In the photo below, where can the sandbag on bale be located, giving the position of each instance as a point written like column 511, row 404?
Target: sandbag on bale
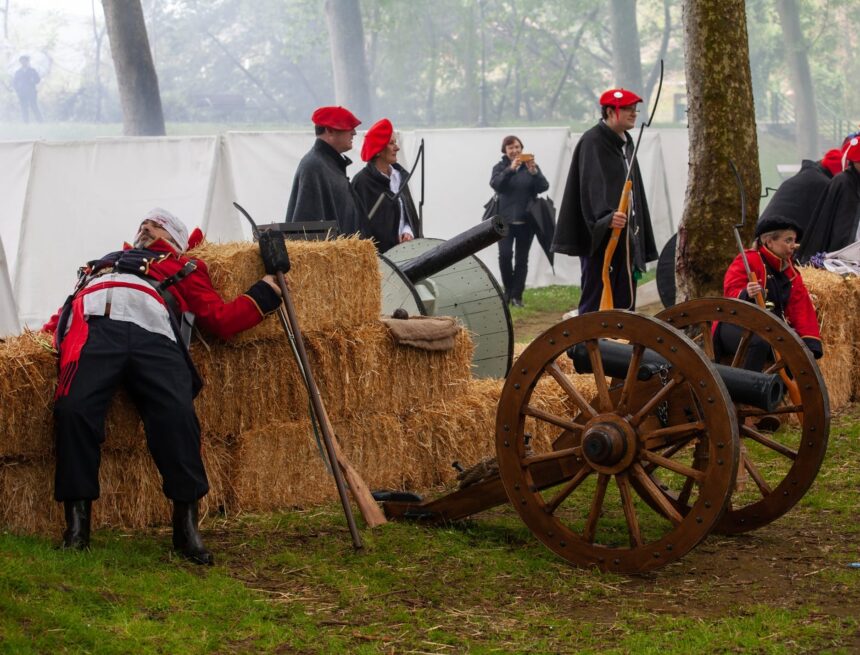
column 837, row 305
column 131, row 495
column 332, row 284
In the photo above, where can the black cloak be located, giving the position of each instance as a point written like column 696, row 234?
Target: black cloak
column 834, row 223
column 591, row 195
column 321, row 190
column 384, row 226
column 797, row 197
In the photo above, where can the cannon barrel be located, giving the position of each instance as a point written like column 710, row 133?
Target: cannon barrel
column 762, row 390
column 455, row 249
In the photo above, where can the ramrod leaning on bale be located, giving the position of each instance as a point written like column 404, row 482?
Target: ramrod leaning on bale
column 122, row 326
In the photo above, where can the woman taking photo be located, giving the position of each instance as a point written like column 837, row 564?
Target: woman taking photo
column 517, row 181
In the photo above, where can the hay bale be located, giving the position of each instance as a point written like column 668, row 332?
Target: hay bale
column 332, row 283
column 28, row 376
column 279, row 465
column 131, row 495
column 356, row 370
column 837, row 303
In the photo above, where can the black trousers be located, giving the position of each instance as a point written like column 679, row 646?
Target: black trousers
column 727, row 338
column 592, row 282
column 515, row 247
column 154, row 371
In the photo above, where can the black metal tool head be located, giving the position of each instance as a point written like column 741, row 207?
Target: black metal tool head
column 656, row 97
column 742, row 194
column 254, row 229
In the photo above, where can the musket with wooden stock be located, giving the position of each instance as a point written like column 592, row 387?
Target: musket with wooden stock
column 606, row 299
column 790, row 384
column 340, row 467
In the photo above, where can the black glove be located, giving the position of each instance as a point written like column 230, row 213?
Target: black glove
column 273, row 250
column 815, row 346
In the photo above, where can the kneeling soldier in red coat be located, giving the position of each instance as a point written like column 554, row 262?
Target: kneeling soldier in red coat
column 123, row 324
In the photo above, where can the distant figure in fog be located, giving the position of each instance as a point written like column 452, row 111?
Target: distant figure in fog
column 24, row 82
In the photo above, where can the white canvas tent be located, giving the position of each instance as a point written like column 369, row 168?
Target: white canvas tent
column 65, row 203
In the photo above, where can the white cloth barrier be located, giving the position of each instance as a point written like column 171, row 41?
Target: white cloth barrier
column 65, row 203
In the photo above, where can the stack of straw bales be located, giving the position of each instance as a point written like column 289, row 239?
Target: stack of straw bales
column 402, row 415
column 837, row 303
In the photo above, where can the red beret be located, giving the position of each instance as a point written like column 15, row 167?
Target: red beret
column 335, row 118
column 376, row 139
column 851, row 151
column 832, row 161
column 619, row 98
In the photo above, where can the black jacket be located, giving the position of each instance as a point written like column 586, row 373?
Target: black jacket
column 516, row 189
column 834, row 224
column 321, row 190
column 591, row 195
column 797, row 197
column 384, row 226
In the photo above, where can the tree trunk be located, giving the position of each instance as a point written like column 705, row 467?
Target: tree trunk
column 806, row 117
column 346, row 37
column 135, row 72
column 721, row 127
column 626, row 61
column 471, row 96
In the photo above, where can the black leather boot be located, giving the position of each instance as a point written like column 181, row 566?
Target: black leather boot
column 77, row 534
column 186, row 539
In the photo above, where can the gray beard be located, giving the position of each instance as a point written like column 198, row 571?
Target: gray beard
column 143, row 242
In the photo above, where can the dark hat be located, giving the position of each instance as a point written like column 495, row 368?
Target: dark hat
column 773, row 223
column 619, row 98
column 376, row 138
column 335, row 118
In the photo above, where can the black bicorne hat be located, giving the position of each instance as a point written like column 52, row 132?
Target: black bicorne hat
column 773, row 223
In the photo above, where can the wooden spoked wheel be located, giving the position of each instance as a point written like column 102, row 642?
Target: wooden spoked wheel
column 577, row 492
column 776, row 469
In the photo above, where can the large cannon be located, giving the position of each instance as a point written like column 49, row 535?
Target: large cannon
column 432, row 277
column 666, row 451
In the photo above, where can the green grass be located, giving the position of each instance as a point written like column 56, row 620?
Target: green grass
column 291, row 583
column 556, row 299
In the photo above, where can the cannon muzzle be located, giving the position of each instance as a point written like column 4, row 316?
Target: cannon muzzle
column 455, row 249
column 762, row 390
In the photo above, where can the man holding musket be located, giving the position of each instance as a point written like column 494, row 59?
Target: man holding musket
column 589, row 207
column 121, row 325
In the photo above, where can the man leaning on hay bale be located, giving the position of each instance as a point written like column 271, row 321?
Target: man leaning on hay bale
column 123, row 324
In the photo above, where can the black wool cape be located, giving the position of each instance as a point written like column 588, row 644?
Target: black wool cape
column 594, row 184
column 321, row 190
column 834, row 224
column 384, row 226
column 797, row 197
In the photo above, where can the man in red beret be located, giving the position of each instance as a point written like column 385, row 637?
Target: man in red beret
column 836, row 220
column 392, row 218
column 588, row 211
column 797, row 197
column 321, row 189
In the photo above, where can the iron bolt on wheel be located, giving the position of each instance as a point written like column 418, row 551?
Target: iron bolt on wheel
column 588, row 495
column 775, row 470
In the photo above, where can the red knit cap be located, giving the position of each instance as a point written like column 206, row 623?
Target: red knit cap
column 851, row 152
column 335, row 118
column 376, row 139
column 832, row 161
column 619, row 98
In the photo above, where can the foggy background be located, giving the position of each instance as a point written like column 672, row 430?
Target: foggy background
column 266, row 64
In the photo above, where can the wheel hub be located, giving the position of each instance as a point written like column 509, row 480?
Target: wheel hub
column 604, row 444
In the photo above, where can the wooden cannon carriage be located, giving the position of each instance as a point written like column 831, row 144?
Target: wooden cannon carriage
column 666, row 452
